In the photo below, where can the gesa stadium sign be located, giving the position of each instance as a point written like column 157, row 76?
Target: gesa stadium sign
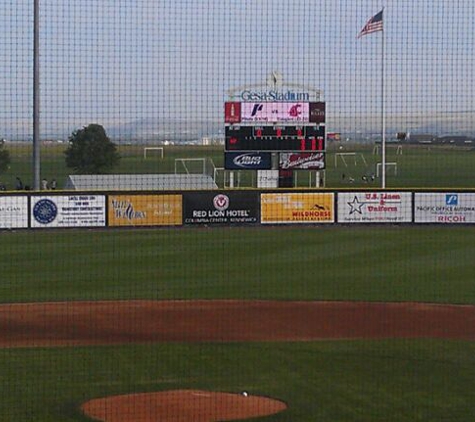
column 272, row 95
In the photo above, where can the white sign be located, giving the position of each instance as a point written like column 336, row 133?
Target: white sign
column 374, row 207
column 302, row 160
column 68, row 211
column 444, row 207
column 13, row 212
column 274, row 112
column 267, row 178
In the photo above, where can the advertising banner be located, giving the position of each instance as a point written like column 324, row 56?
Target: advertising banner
column 145, row 210
column 247, row 160
column 68, row 211
column 444, row 207
column 286, row 208
column 374, row 207
column 220, row 208
column 274, row 112
column 268, row 178
column 302, row 160
column 13, row 212
column 232, row 112
column 317, row 112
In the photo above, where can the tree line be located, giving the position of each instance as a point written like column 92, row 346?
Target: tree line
column 90, row 151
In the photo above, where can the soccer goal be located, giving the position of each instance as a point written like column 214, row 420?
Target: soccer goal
column 155, row 151
column 202, row 165
column 389, row 166
column 346, row 157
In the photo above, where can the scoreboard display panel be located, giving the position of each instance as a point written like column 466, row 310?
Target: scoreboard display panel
column 275, row 138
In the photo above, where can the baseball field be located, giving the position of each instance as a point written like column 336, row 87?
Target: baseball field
column 296, row 315
column 316, row 323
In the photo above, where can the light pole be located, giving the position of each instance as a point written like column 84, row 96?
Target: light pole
column 36, row 95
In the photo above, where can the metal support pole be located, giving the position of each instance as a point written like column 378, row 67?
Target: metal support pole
column 383, row 117
column 36, row 96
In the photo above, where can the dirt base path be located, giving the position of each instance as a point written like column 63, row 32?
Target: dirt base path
column 122, row 322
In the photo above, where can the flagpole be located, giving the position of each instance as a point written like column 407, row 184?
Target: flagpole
column 383, row 117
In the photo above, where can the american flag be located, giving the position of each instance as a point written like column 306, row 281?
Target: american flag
column 375, row 24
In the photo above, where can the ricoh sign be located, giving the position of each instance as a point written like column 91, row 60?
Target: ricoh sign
column 446, row 207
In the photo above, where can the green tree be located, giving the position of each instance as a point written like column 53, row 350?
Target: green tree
column 91, row 151
column 4, row 158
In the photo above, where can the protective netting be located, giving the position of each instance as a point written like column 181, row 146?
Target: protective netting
column 207, row 194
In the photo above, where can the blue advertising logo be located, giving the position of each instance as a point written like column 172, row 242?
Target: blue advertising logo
column 452, row 199
column 248, row 160
column 45, row 211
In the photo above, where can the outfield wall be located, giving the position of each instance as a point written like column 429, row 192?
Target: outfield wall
column 234, row 207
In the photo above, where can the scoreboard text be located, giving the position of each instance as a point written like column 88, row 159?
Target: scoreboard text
column 275, row 138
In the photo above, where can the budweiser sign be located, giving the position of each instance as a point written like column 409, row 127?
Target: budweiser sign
column 302, row 160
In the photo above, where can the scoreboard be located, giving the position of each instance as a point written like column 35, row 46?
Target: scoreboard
column 275, row 126
column 275, row 138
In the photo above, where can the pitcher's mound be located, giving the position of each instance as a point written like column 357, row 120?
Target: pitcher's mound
column 181, row 406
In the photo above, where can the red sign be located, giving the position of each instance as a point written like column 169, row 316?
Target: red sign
column 317, row 112
column 232, row 112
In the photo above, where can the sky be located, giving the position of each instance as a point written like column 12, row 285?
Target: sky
column 119, row 63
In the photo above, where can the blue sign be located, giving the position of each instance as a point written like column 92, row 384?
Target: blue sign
column 451, row 199
column 248, row 160
column 45, row 211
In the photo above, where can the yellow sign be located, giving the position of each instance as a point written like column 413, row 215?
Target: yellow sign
column 145, row 210
column 297, row 208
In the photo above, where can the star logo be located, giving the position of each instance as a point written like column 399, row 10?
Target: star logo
column 355, row 206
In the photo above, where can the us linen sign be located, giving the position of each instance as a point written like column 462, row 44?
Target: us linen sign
column 374, row 207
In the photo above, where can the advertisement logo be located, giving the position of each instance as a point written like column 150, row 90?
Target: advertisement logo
column 297, row 208
column 295, row 110
column 248, row 160
column 311, row 161
column 125, row 209
column 444, row 208
column 374, row 207
column 451, row 199
column 256, row 109
column 221, row 202
column 375, row 202
column 45, row 211
column 232, row 112
column 145, row 210
column 355, row 206
column 213, row 208
column 274, row 112
column 317, row 112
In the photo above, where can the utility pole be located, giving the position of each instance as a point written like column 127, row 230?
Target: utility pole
column 36, row 96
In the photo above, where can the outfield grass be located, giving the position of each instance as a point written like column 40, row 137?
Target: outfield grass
column 334, row 381
column 422, row 263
